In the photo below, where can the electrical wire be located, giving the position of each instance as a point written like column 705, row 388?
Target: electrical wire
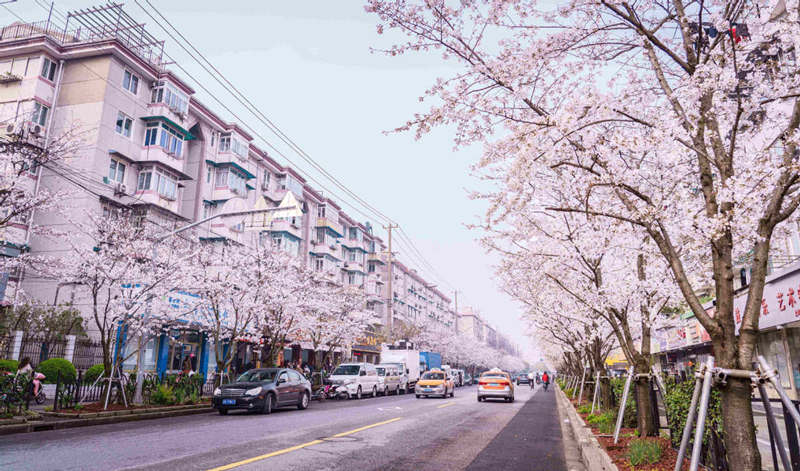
column 414, row 252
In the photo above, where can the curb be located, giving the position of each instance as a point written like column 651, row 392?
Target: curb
column 85, row 422
column 115, row 413
column 592, row 454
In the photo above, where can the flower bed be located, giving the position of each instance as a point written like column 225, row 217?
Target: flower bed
column 620, row 453
column 97, row 407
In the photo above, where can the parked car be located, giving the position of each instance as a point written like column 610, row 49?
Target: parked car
column 357, row 378
column 390, row 380
column 435, row 383
column 523, row 378
column 495, row 383
column 467, row 379
column 262, row 390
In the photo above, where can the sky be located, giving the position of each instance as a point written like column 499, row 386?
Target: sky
column 308, row 67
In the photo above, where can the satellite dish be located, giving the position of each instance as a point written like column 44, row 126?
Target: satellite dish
column 233, row 205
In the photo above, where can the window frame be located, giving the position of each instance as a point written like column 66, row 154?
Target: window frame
column 114, row 174
column 126, row 120
column 133, row 81
column 37, row 116
column 48, row 71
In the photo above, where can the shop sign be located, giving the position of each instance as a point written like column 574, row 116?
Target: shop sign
column 779, row 305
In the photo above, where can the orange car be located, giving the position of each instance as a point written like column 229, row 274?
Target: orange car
column 495, row 383
column 435, row 383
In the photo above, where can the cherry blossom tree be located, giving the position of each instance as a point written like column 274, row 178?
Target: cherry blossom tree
column 679, row 118
column 223, row 301
column 340, row 319
column 127, row 291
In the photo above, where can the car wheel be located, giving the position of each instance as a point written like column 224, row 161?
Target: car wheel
column 303, row 404
column 479, row 399
column 267, row 405
column 386, row 390
column 358, row 393
column 417, row 396
column 512, row 398
column 374, row 391
column 453, row 393
column 223, row 411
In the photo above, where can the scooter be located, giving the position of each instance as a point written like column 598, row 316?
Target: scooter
column 40, row 398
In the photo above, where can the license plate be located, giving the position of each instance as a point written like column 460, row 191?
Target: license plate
column 493, row 384
column 428, row 390
column 229, row 402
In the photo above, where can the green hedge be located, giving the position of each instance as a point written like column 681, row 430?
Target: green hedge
column 618, row 385
column 642, row 451
column 677, row 401
column 93, row 373
column 50, row 368
column 9, row 365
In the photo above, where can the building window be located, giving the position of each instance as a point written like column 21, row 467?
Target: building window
column 319, row 264
column 209, row 173
column 321, row 211
column 164, row 183
column 130, row 82
column 265, row 184
column 124, row 124
column 169, row 95
column 151, row 135
column 354, row 233
column 228, row 143
column 39, row 115
column 48, row 69
column 371, row 267
column 169, row 139
column 116, row 171
column 228, row 177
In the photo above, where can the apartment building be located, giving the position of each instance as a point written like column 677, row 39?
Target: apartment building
column 470, row 324
column 148, row 145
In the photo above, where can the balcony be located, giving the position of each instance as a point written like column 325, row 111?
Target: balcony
column 273, row 193
column 322, row 248
column 330, row 224
column 377, row 258
column 286, row 225
column 157, row 154
column 353, row 266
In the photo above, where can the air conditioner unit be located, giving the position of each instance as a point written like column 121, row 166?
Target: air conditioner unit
column 120, row 189
column 33, row 129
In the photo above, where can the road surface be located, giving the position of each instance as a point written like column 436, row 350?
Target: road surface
column 386, row 433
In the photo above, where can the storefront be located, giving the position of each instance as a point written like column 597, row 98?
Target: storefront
column 367, row 348
column 173, row 351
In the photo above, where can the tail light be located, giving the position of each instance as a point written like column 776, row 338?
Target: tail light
column 482, row 383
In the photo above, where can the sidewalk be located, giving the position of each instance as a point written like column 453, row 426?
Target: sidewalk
column 531, row 441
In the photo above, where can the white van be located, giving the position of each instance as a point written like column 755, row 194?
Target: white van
column 358, row 378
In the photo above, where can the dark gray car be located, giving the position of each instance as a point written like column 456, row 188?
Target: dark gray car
column 262, row 390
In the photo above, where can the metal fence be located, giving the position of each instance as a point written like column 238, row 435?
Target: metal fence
column 87, row 353
column 39, row 349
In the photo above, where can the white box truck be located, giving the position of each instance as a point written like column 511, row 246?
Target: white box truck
column 407, row 360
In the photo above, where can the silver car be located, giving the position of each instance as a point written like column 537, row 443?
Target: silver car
column 389, row 379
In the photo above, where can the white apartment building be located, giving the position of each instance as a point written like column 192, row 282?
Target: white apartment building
column 150, row 146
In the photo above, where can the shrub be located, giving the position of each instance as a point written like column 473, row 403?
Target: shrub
column 163, row 395
column 9, row 365
column 618, row 385
column 604, row 421
column 585, row 409
column 642, row 451
column 677, row 400
column 50, row 369
column 93, row 373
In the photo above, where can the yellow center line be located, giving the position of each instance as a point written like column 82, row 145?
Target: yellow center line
column 298, row 447
column 446, row 405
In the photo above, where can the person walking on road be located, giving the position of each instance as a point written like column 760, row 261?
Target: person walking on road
column 545, row 380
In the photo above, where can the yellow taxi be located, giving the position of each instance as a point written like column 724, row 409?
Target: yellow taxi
column 495, row 383
column 435, row 383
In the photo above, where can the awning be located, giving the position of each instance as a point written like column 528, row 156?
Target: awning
column 232, row 164
column 187, row 136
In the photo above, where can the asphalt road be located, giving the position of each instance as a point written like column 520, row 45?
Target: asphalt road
column 396, row 432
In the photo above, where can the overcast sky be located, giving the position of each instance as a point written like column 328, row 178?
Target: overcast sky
column 307, row 65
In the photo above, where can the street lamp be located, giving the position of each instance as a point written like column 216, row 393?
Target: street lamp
column 285, row 206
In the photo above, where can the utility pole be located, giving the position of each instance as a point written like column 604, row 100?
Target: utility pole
column 390, row 314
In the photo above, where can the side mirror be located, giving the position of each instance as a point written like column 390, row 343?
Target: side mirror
column 281, row 380
column 407, row 371
column 363, row 373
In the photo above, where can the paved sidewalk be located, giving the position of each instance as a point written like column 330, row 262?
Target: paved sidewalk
column 531, row 441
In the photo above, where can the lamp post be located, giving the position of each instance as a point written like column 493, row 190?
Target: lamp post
column 137, row 398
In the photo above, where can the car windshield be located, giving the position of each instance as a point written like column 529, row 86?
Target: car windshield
column 433, row 376
column 253, row 376
column 346, row 370
column 381, row 371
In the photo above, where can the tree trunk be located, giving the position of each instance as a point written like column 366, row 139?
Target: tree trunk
column 645, row 422
column 740, row 430
column 606, row 395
